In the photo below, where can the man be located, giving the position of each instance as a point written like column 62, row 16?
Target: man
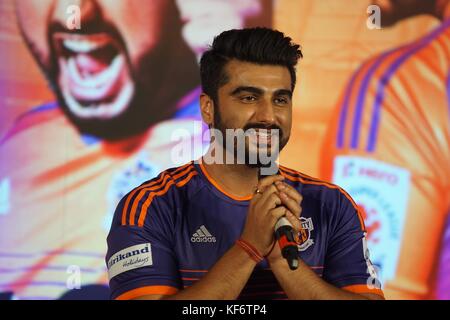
column 388, row 146
column 200, row 231
column 64, row 166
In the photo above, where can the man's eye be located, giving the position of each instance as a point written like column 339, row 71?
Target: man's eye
column 248, row 98
column 281, row 101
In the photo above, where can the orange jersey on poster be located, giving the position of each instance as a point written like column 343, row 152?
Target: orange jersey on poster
column 59, row 191
column 389, row 146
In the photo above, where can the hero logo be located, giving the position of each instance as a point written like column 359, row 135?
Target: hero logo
column 130, row 258
column 381, row 191
column 370, row 171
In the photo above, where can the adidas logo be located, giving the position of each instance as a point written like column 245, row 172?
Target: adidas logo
column 202, row 235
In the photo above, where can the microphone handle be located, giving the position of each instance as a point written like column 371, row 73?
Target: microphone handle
column 284, row 233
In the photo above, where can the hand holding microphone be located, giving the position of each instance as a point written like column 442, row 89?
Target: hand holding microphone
column 275, row 204
column 263, row 213
column 284, row 230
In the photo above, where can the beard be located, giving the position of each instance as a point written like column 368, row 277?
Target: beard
column 154, row 93
column 263, row 156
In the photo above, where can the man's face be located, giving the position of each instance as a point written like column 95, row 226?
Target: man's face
column 101, row 71
column 256, row 97
column 392, row 11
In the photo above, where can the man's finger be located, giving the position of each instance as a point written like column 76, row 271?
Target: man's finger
column 277, row 213
column 267, row 181
column 267, row 192
column 294, row 221
column 290, row 203
column 289, row 190
column 270, row 200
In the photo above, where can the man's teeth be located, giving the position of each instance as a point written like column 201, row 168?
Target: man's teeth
column 99, row 79
column 82, row 45
column 263, row 134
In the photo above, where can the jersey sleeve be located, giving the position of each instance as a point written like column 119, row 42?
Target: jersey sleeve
column 141, row 258
column 347, row 261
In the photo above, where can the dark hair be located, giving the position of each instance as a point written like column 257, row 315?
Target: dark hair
column 256, row 45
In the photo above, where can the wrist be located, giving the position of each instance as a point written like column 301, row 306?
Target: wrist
column 250, row 250
column 274, row 259
column 274, row 256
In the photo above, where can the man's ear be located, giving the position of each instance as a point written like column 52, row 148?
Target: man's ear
column 207, row 109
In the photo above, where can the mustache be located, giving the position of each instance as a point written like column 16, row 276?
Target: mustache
column 263, row 126
column 97, row 26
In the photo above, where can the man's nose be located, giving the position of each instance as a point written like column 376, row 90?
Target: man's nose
column 90, row 12
column 265, row 112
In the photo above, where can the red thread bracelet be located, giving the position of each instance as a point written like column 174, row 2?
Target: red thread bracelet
column 252, row 252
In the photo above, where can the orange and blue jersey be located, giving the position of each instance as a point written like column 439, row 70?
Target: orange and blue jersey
column 168, row 232
column 405, row 67
column 388, row 146
column 58, row 192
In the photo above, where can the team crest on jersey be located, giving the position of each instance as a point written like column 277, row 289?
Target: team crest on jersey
column 304, row 236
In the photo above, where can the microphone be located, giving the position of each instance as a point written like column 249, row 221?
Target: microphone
column 284, row 233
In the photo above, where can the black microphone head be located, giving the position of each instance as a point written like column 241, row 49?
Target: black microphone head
column 290, row 253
